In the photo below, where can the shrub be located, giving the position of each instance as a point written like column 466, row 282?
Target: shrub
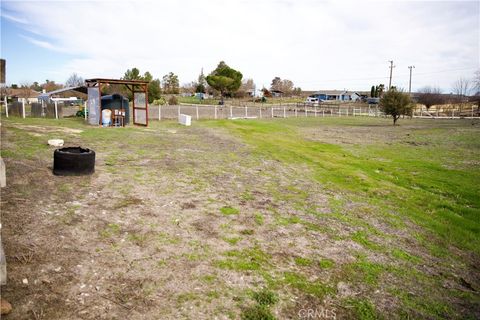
column 172, row 101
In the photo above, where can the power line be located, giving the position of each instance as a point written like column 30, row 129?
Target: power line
column 398, row 75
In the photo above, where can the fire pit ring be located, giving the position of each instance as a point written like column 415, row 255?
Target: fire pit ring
column 73, row 161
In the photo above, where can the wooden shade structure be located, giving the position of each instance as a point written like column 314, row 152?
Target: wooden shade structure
column 135, row 86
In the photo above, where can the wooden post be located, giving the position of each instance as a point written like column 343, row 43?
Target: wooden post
column 23, row 108
column 246, row 112
column 196, row 109
column 85, row 110
column 284, row 112
column 56, row 110
column 272, row 112
column 178, row 110
column 315, row 110
column 231, row 112
column 306, row 114
column 260, row 109
column 215, row 107
column 159, row 112
column 100, row 104
column 296, row 112
column 323, row 113
column 6, row 106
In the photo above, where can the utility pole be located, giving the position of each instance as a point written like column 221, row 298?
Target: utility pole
column 391, row 70
column 410, row 83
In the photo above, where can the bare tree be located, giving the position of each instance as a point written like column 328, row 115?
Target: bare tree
column 476, row 82
column 26, row 92
column 74, row 81
column 430, row 96
column 462, row 87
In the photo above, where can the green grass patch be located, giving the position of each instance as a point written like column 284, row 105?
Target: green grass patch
column 243, row 260
column 326, row 263
column 257, row 312
column 304, row 262
column 402, row 255
column 265, row 297
column 363, row 309
column 425, row 181
column 228, row 210
column 361, row 237
column 259, row 219
column 300, row 282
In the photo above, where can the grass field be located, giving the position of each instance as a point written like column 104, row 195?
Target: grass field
column 297, row 218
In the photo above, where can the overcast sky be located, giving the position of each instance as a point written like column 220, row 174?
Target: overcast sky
column 316, row 44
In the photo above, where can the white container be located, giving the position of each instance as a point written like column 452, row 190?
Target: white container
column 106, row 117
column 184, row 119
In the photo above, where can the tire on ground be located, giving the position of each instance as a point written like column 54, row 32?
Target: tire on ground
column 73, row 161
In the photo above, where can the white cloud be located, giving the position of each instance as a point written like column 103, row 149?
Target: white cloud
column 315, row 44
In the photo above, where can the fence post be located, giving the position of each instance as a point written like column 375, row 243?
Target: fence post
column 284, row 112
column 472, row 111
column 231, row 113
column 259, row 110
column 215, row 107
column 272, row 111
column 323, row 113
column 159, row 112
column 56, row 110
column 85, row 110
column 306, row 114
column 23, row 108
column 196, row 109
column 296, row 112
column 246, row 112
column 178, row 110
column 6, row 106
column 315, row 111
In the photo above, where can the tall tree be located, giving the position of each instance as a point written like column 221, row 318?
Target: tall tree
column 170, row 83
column 133, row 74
column 396, row 103
column 154, row 90
column 430, row 96
column 286, row 86
column 201, row 83
column 35, row 86
column 51, row 86
column 276, row 84
column 372, row 92
column 74, row 81
column 224, row 79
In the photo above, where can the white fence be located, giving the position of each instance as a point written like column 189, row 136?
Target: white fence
column 198, row 112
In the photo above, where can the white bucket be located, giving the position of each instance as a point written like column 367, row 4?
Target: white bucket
column 106, row 117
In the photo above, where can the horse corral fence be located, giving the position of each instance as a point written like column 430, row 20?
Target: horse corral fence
column 198, row 112
column 259, row 111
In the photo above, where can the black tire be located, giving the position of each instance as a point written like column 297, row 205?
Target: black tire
column 73, row 161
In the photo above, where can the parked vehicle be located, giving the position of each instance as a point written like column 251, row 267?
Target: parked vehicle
column 312, row 100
